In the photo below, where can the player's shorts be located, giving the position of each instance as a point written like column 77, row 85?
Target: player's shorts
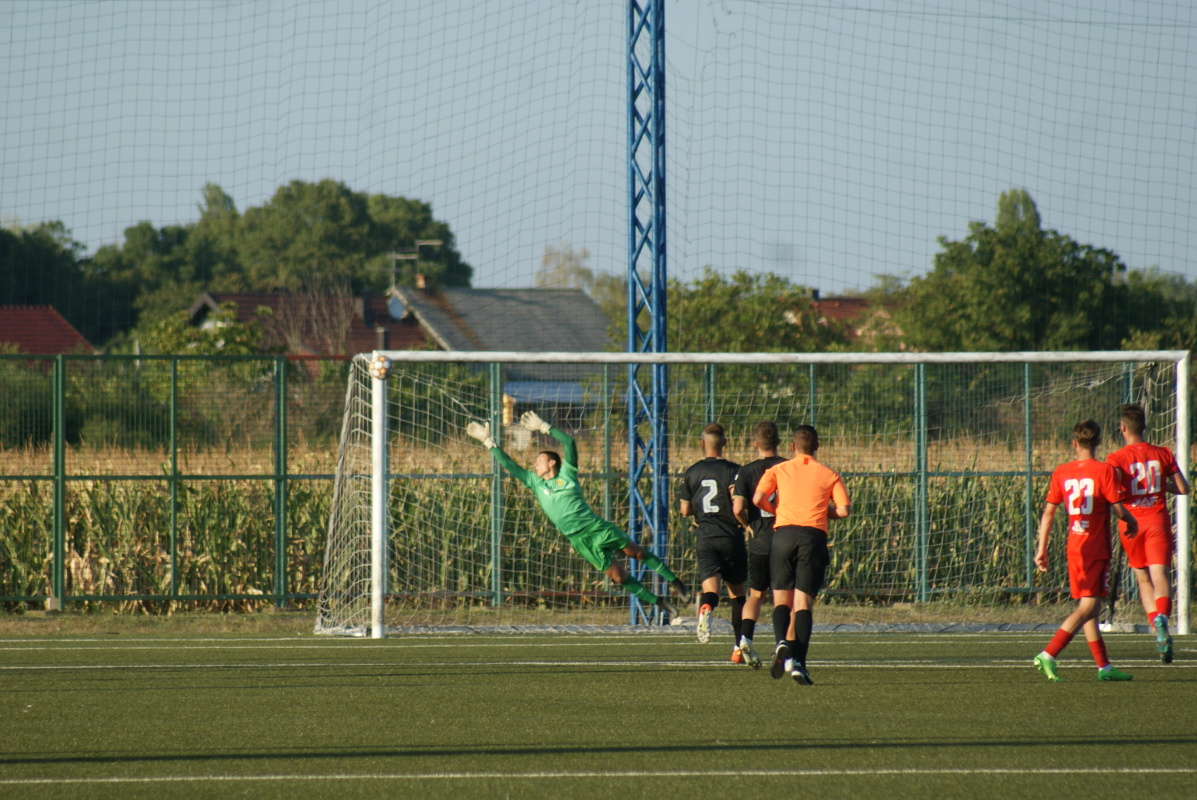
column 1152, row 544
column 1089, row 578
column 722, row 556
column 758, row 572
column 599, row 542
column 799, row 559
column 759, row 546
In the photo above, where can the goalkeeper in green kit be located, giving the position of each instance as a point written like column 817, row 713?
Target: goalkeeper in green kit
column 555, row 484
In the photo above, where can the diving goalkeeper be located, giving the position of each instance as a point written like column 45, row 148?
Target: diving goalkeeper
column 555, row 484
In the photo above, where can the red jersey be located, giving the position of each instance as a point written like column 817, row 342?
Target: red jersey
column 1143, row 468
column 1086, row 489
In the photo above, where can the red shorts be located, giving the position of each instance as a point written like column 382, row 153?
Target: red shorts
column 1089, row 578
column 1152, row 545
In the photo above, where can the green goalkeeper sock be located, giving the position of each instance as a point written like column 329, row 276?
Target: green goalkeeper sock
column 658, row 566
column 635, row 587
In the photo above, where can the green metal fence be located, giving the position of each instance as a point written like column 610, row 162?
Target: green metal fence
column 134, row 479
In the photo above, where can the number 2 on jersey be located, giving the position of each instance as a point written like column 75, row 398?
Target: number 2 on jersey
column 1145, row 478
column 709, row 505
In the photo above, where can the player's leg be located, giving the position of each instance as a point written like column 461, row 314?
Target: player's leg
column 735, row 574
column 782, row 575
column 810, row 572
column 1088, row 583
column 632, row 585
column 1162, row 586
column 758, row 584
column 708, row 601
column 650, row 560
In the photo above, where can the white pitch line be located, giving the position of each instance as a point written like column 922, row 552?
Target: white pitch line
column 780, row 773
column 1021, row 663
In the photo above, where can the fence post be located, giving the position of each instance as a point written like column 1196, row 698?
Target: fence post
column 920, row 462
column 174, row 478
column 280, row 481
column 58, row 543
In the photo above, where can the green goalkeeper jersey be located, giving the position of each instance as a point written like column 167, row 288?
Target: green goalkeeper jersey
column 561, row 496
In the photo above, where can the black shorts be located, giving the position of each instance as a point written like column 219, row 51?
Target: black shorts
column 799, row 559
column 723, row 556
column 758, row 572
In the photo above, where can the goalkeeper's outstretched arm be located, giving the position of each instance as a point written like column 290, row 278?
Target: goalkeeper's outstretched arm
column 532, row 421
column 481, row 432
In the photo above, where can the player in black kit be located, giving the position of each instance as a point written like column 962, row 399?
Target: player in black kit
column 706, row 495
column 759, row 526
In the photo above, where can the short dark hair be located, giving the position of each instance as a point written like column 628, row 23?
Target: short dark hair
column 556, row 458
column 806, row 439
column 1087, row 434
column 1134, row 418
column 765, row 435
column 713, row 438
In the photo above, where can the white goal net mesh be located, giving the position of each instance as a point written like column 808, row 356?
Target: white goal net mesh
column 946, row 465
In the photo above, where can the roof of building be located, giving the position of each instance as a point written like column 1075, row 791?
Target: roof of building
column 516, row 320
column 320, row 324
column 40, row 330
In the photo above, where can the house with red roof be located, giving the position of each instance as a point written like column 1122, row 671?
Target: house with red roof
column 40, row 330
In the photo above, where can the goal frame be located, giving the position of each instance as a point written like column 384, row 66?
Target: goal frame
column 380, row 523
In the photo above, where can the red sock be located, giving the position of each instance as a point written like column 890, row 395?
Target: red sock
column 1163, row 605
column 1098, row 649
column 1058, row 642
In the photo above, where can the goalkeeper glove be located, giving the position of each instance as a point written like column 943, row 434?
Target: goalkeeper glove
column 481, row 432
column 532, row 421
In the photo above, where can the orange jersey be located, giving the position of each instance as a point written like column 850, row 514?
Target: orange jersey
column 804, row 487
column 1086, row 489
column 1143, row 469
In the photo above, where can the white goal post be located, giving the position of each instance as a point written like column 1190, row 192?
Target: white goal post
column 906, row 429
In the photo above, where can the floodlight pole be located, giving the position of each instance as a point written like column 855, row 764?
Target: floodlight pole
column 648, row 453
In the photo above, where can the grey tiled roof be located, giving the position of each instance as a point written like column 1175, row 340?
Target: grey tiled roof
column 518, row 320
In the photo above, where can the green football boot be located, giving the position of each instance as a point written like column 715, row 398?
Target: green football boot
column 1047, row 666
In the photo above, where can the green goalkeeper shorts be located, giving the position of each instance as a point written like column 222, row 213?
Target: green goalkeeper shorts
column 598, row 543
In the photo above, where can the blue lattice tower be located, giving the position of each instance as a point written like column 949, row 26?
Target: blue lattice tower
column 648, row 451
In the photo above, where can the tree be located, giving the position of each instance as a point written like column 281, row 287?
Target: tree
column 398, row 224
column 745, row 313
column 307, row 229
column 1015, row 286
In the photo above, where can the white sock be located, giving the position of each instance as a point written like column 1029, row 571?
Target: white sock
column 1045, row 655
column 745, row 641
column 789, row 665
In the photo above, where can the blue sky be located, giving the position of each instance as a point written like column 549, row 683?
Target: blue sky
column 827, row 142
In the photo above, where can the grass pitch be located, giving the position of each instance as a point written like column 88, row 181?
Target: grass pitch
column 619, row 715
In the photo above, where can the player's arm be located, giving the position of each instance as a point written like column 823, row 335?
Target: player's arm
column 569, row 449
column 740, row 512
column 1132, row 524
column 1176, row 484
column 763, row 497
column 840, row 507
column 481, row 432
column 1045, row 529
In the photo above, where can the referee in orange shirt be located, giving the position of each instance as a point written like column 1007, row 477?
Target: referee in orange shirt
column 808, row 493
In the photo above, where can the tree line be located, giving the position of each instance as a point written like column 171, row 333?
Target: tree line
column 1008, row 286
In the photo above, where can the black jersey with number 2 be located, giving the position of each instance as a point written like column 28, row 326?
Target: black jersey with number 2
column 707, row 487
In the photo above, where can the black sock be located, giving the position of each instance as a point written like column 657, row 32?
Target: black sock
column 803, row 622
column 709, row 599
column 737, row 604
column 747, row 628
column 781, row 622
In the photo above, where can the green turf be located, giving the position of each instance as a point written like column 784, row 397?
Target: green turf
column 895, row 715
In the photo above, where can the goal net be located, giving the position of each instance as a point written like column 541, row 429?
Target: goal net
column 946, row 458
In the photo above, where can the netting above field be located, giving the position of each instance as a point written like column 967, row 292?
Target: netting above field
column 830, row 144
column 946, row 464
